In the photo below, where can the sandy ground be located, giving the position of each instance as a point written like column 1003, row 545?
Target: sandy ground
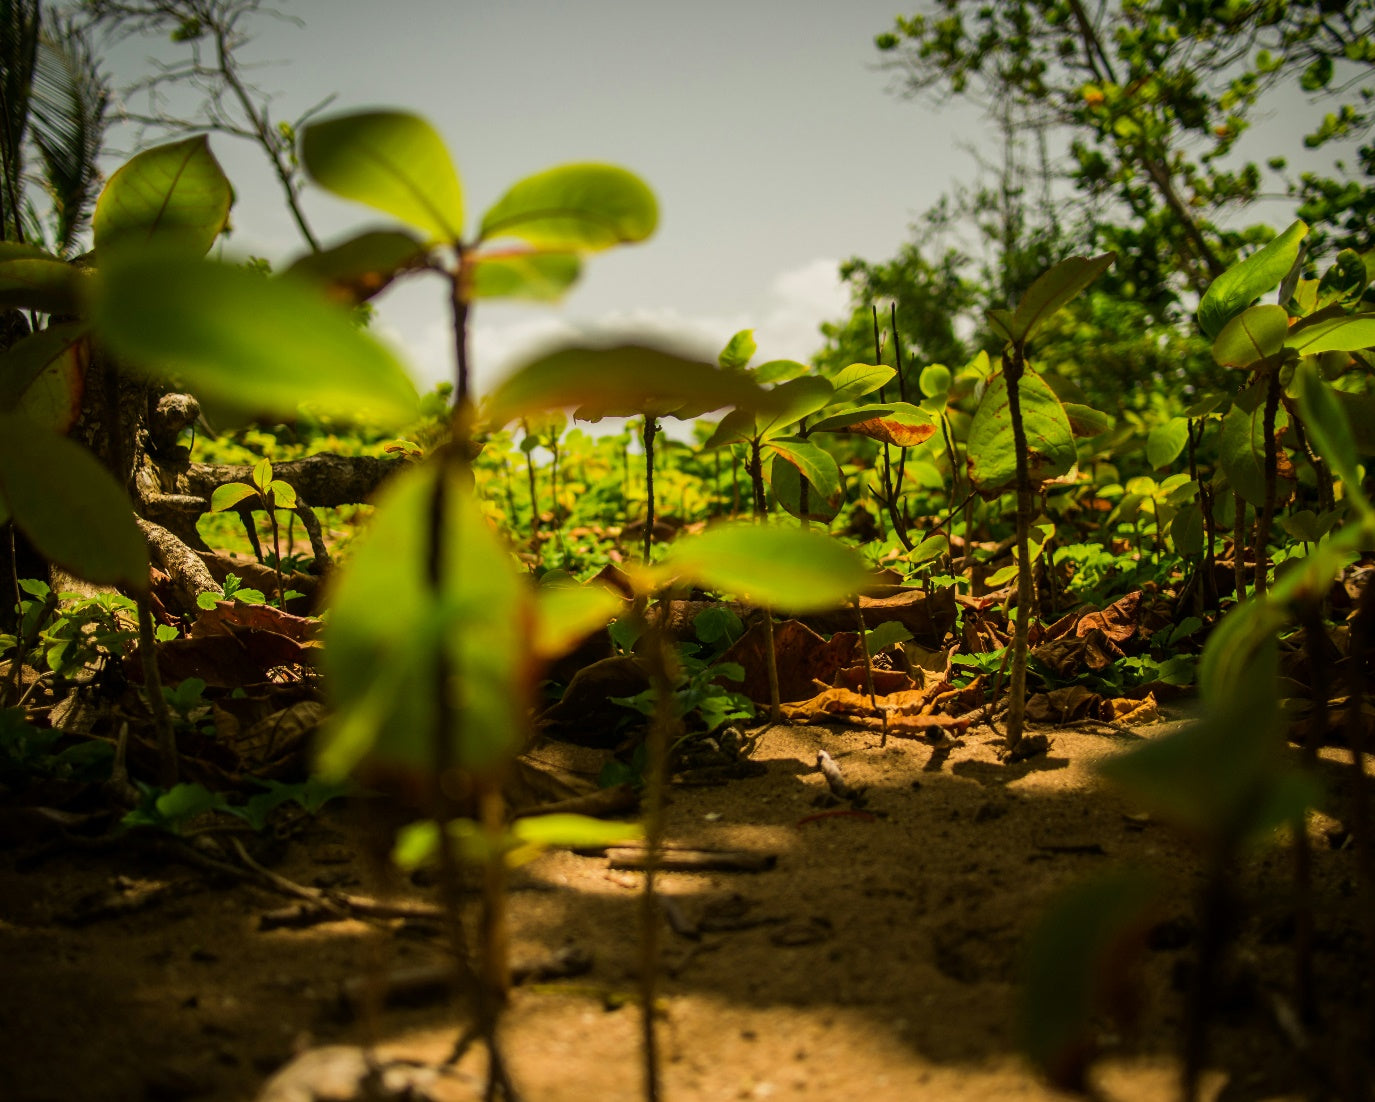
column 877, row 960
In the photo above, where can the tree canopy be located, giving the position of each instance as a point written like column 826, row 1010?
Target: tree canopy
column 1152, row 98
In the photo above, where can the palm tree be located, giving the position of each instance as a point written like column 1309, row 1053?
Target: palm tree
column 54, row 100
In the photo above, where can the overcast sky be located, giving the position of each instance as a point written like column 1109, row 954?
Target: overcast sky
column 767, row 130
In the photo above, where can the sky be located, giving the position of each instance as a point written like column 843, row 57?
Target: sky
column 763, row 126
column 772, row 137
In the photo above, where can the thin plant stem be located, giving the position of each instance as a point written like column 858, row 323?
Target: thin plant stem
column 26, row 638
column 1263, row 522
column 168, row 765
column 534, row 497
column 649, row 430
column 663, row 731
column 869, row 669
column 1014, row 365
column 1238, row 550
column 487, row 981
column 277, row 557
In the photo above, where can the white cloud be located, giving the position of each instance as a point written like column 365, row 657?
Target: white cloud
column 785, row 321
column 798, row 302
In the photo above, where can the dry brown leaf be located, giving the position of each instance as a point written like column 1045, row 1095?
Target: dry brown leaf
column 1066, row 705
column 1117, row 622
column 1131, row 712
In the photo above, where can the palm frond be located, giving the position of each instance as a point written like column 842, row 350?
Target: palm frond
column 20, row 22
column 70, row 100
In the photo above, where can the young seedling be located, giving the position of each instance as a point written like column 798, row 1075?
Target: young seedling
column 1021, row 436
column 271, row 494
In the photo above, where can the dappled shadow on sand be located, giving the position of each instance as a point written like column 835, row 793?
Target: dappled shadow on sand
column 878, row 959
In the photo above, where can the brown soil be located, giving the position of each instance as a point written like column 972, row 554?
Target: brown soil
column 876, row 961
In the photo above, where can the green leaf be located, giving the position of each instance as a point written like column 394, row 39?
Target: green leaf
column 792, row 401
column 283, row 494
column 1244, row 282
column 739, row 351
column 565, row 615
column 1327, row 426
column 1349, row 334
column 229, row 495
column 43, row 375
column 357, row 269
column 1078, row 958
column 1004, row 323
column 70, row 506
column 389, row 626
column 736, row 427
column 1086, row 422
column 930, row 549
column 1252, row 336
column 573, row 831
column 577, row 206
column 542, row 277
column 885, row 635
column 1224, row 779
column 1242, row 450
column 1051, row 291
column 174, row 196
column 1186, row 530
column 783, row 568
column 854, row 382
column 392, row 161
column 1165, row 442
column 898, row 423
column 814, row 464
column 778, row 371
column 185, row 801
column 417, row 844
column 48, row 286
column 613, row 379
column 262, row 345
column 262, row 474
column 992, row 454
column 1345, row 281
column 20, row 250
column 935, row 380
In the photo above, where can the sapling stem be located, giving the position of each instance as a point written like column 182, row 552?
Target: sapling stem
column 168, row 765
column 1238, row 543
column 869, row 669
column 1263, row 522
column 534, row 497
column 890, row 496
column 277, row 556
column 757, row 479
column 663, row 732
column 649, row 430
column 902, row 396
column 1207, row 591
column 27, row 637
column 1014, row 364
column 487, row 980
column 775, row 697
column 1362, row 827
